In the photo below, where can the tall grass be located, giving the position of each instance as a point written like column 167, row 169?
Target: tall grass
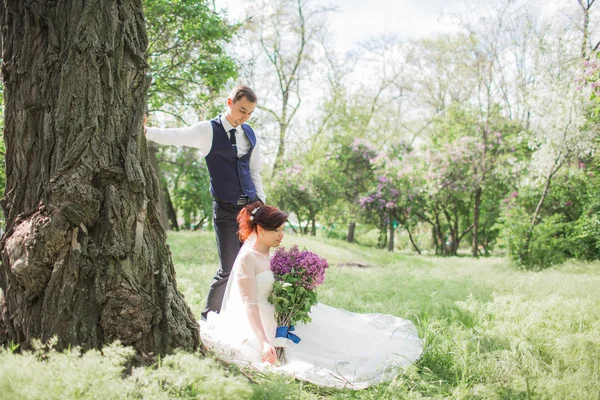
column 492, row 332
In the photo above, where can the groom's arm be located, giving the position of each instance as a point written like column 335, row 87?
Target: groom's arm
column 198, row 136
column 255, row 167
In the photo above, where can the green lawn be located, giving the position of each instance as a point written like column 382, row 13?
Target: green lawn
column 492, row 332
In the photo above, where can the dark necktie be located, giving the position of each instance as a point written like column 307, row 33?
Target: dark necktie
column 232, row 138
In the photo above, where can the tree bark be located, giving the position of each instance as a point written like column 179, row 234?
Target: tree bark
column 84, row 255
column 351, row 231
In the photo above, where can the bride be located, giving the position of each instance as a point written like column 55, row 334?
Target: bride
column 337, row 349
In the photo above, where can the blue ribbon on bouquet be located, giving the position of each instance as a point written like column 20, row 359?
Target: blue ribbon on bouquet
column 285, row 332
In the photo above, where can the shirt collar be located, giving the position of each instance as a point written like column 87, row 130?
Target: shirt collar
column 226, row 125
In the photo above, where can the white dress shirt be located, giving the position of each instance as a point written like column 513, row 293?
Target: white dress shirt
column 200, row 136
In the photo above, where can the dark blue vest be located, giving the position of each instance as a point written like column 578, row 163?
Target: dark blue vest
column 229, row 175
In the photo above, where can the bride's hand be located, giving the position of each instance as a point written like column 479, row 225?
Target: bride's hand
column 268, row 353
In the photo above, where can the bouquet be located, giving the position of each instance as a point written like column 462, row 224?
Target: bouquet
column 297, row 275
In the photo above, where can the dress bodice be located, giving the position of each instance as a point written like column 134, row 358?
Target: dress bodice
column 264, row 277
column 264, row 286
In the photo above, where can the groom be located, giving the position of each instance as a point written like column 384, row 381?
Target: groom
column 232, row 156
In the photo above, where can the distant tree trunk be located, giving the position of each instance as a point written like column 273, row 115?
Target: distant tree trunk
column 476, row 211
column 452, row 247
column 84, row 255
column 161, row 199
column 383, row 232
column 281, row 147
column 391, row 242
column 351, row 230
column 586, row 6
column 289, row 224
column 171, row 212
column 534, row 219
column 313, row 227
column 412, row 240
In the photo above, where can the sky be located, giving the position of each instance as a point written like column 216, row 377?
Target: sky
column 360, row 19
column 356, row 20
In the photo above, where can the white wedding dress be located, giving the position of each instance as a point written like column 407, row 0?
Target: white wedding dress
column 337, row 349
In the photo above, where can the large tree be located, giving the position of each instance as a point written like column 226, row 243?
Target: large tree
column 84, row 255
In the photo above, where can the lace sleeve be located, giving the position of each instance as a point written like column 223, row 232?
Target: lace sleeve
column 247, row 280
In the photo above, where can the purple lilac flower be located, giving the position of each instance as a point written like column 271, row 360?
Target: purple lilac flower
column 308, row 267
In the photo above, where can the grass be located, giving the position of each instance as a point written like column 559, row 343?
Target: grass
column 492, row 332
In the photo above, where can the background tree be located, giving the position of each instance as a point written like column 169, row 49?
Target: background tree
column 188, row 177
column 84, row 255
column 189, row 66
column 285, row 37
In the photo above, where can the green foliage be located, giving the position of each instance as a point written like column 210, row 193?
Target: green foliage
column 186, row 53
column 541, row 247
column 71, row 374
column 188, row 376
column 585, row 237
column 305, row 188
column 567, row 226
column 93, row 374
column 189, row 67
column 188, row 179
column 292, row 301
column 437, row 184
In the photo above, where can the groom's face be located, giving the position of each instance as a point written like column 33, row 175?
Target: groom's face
column 241, row 110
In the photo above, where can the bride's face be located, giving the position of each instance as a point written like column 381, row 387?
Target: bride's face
column 272, row 238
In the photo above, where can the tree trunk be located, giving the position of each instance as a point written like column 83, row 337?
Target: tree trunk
column 476, row 211
column 412, row 240
column 452, row 248
column 585, row 8
column 383, row 232
column 391, row 242
column 161, row 199
column 171, row 212
column 313, row 227
column 534, row 219
column 281, row 147
column 84, row 255
column 351, row 231
column 291, row 226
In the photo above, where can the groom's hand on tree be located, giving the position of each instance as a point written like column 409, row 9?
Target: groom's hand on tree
column 268, row 353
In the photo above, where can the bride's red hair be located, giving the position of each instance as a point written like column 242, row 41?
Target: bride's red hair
column 258, row 214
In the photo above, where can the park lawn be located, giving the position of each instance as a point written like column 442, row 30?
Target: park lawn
column 491, row 331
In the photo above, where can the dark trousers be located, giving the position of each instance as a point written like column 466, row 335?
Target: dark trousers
column 228, row 244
